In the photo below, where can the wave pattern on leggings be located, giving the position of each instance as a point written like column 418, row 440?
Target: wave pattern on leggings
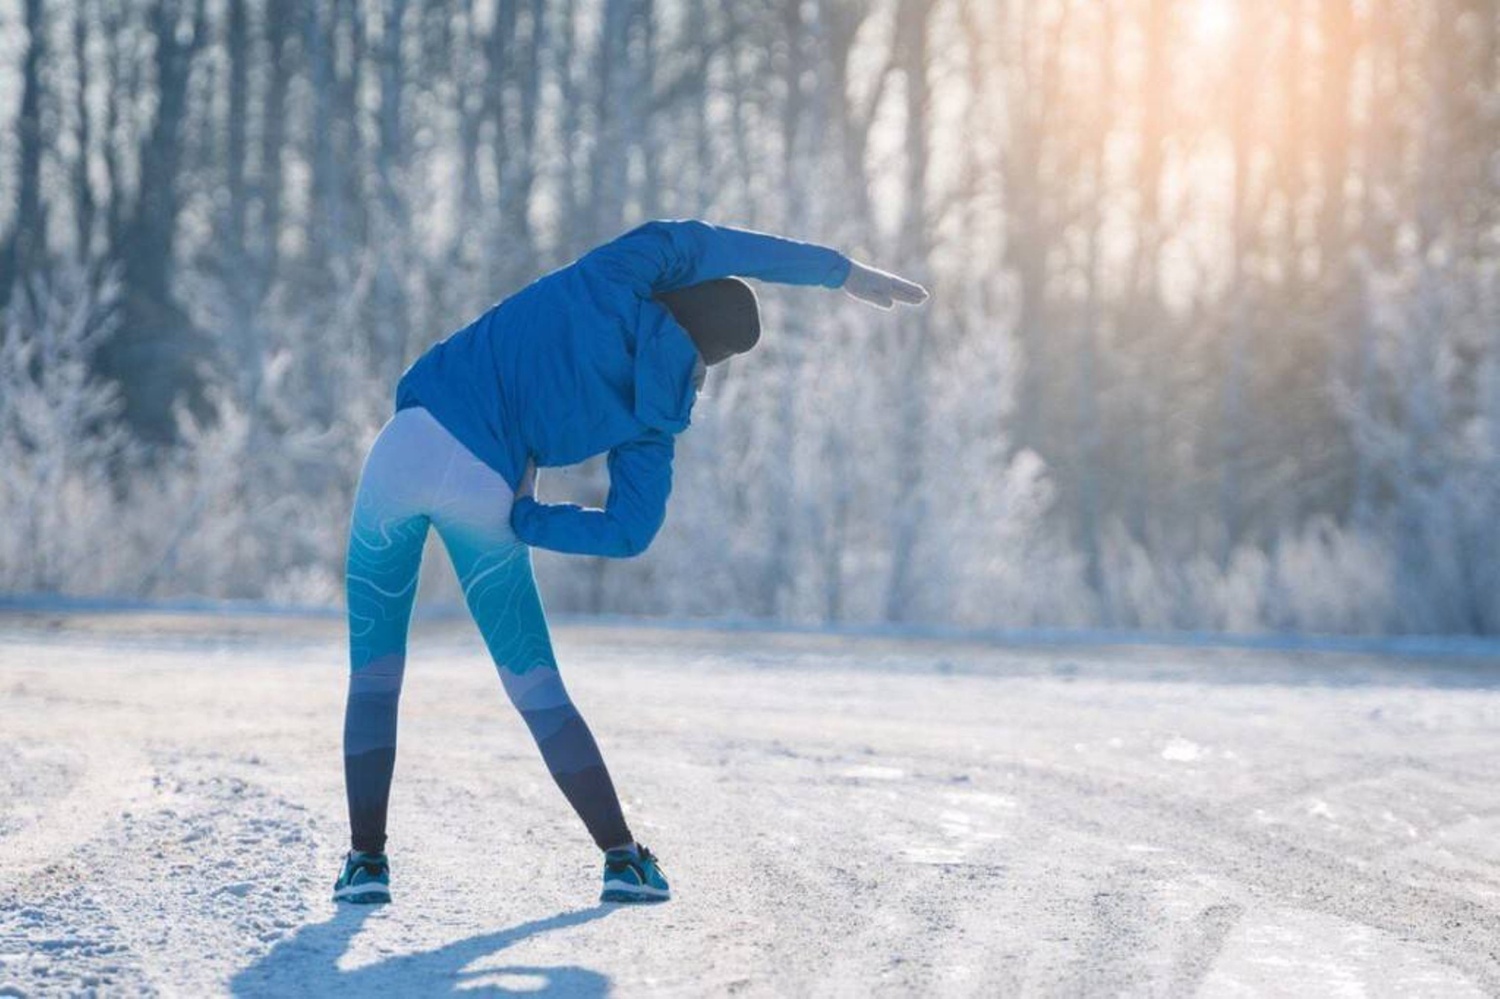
column 418, row 476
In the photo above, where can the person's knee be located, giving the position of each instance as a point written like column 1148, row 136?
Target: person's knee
column 535, row 689
column 381, row 674
column 520, row 651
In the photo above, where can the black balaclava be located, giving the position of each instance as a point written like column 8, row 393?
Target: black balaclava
column 721, row 316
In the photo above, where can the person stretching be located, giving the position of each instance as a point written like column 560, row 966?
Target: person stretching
column 605, row 355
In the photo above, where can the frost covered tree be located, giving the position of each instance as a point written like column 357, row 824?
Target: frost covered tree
column 1208, row 347
column 61, row 442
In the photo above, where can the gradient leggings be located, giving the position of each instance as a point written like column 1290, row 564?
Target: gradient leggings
column 418, row 475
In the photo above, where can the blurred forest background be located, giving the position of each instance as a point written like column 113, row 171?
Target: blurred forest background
column 1214, row 341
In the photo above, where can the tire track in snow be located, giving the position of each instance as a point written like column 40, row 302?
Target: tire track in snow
column 1202, row 944
column 207, row 862
column 1115, row 939
column 103, row 778
column 1462, row 932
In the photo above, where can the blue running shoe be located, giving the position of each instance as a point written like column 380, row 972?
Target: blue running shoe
column 631, row 875
column 366, row 878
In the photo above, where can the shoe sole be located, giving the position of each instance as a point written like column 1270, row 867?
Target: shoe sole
column 362, row 895
column 635, row 894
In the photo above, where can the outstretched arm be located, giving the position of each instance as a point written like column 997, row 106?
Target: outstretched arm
column 667, row 254
column 664, row 255
column 640, row 479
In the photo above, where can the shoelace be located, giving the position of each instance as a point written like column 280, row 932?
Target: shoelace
column 643, row 856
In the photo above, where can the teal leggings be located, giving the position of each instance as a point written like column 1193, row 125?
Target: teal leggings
column 417, row 475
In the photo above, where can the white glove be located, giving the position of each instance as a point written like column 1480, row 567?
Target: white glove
column 880, row 289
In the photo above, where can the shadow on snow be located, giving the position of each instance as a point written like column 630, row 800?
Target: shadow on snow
column 306, row 963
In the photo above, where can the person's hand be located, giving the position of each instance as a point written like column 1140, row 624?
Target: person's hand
column 527, row 487
column 882, row 290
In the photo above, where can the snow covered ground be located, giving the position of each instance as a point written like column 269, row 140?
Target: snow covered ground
column 839, row 816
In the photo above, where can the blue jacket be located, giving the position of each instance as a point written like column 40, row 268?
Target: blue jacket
column 583, row 361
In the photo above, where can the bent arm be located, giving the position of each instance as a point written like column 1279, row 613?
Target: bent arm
column 640, row 480
column 664, row 255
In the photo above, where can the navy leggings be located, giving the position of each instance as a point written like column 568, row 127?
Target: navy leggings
column 417, row 475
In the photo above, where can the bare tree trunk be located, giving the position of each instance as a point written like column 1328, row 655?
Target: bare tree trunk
column 910, row 511
column 155, row 354
column 841, row 23
column 616, row 106
column 741, row 37
column 1233, row 432
column 121, row 93
column 471, row 76
column 238, row 45
column 515, row 142
column 645, row 138
column 1034, row 109
column 279, row 20
column 391, row 224
column 86, row 209
column 1379, row 156
column 326, row 233
column 23, row 249
column 575, row 165
column 703, row 177
column 1086, row 386
column 1143, row 313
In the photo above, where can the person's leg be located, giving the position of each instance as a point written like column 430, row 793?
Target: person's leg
column 494, row 568
column 386, row 535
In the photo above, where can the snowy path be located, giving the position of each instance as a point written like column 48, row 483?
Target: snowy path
column 940, row 819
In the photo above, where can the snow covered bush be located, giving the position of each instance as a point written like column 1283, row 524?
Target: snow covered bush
column 1333, row 580
column 61, row 445
column 1424, row 413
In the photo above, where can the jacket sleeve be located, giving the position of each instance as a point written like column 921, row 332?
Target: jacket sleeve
column 640, row 480
column 664, row 255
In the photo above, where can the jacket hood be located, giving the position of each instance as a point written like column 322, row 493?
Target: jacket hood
column 664, row 360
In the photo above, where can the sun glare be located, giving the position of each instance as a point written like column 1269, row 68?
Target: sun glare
column 1213, row 21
